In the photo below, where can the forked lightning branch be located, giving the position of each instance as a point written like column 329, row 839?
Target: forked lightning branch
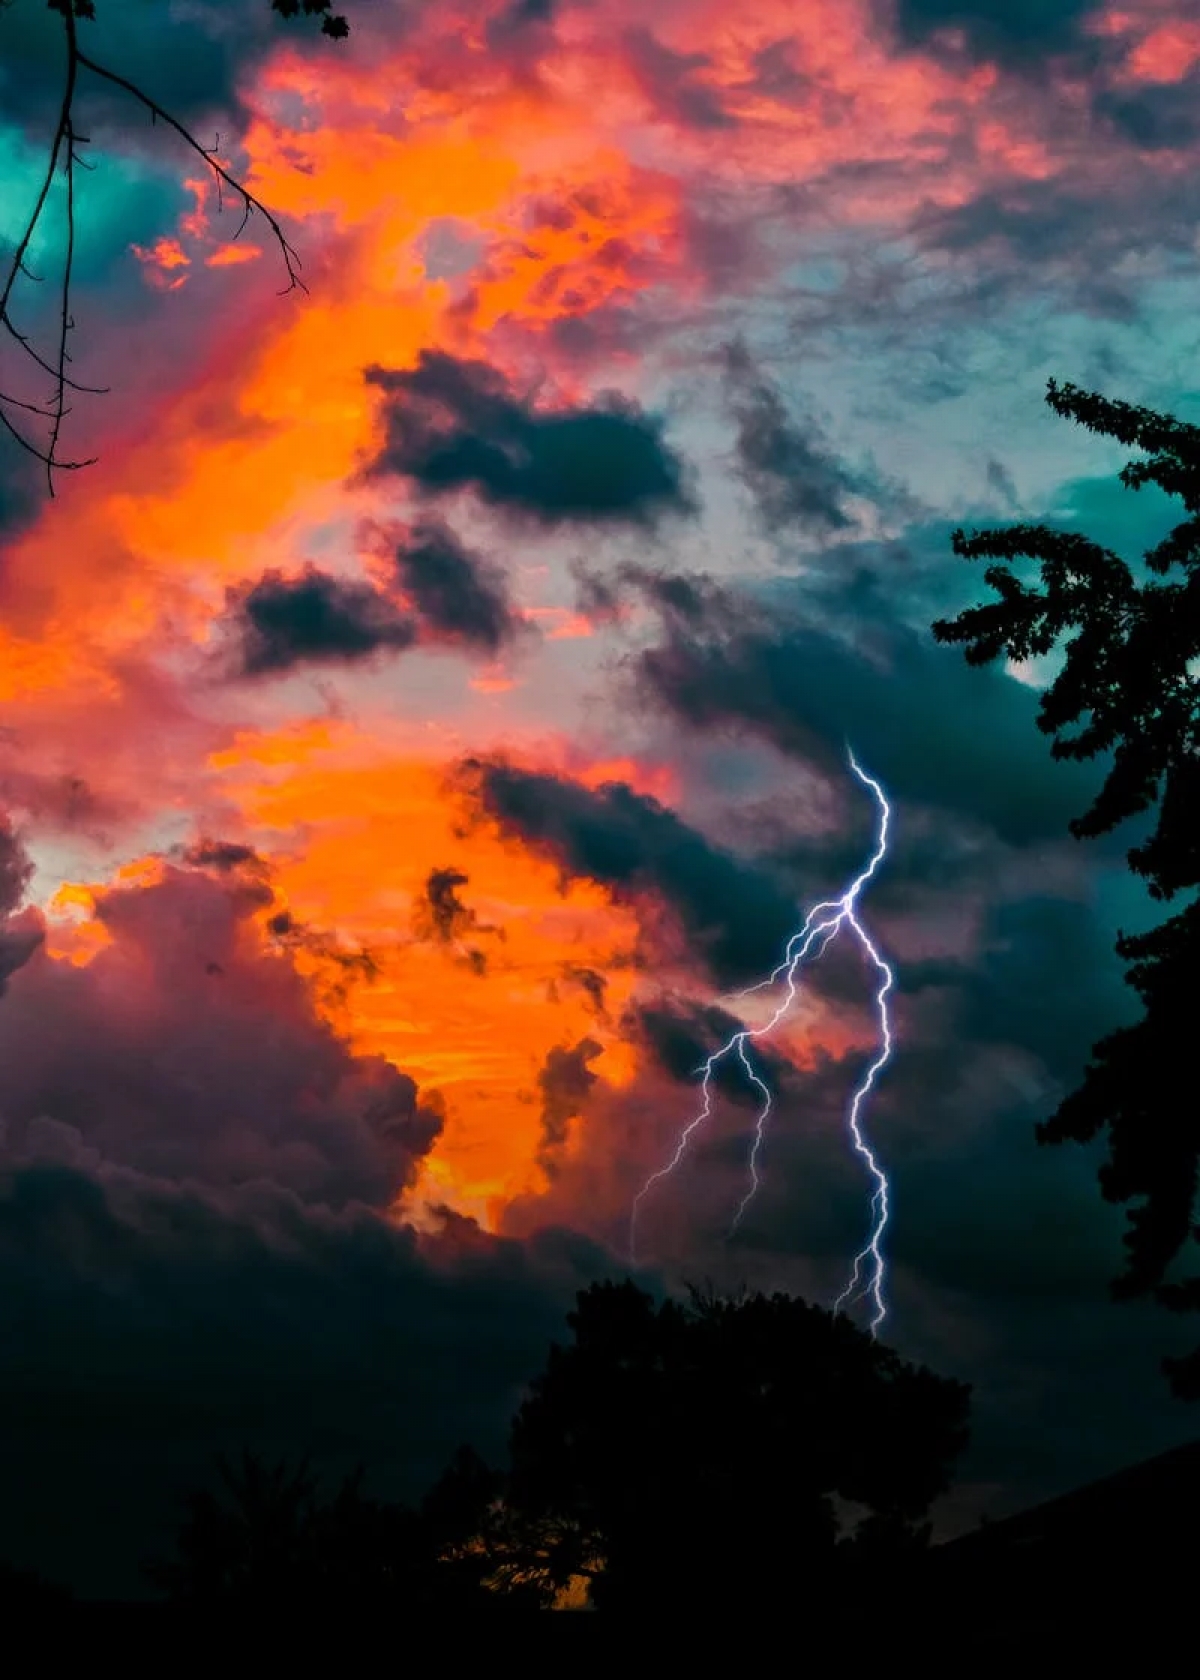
column 821, row 927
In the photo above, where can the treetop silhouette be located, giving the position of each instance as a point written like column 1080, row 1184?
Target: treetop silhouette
column 1129, row 669
column 703, row 1446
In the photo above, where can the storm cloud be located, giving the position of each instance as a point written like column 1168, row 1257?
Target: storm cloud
column 797, row 482
column 459, row 596
column 890, row 692
column 441, row 916
column 681, row 1034
column 284, row 622
column 736, row 916
column 1157, row 118
column 455, row 424
column 147, row 1325
column 21, row 931
column 188, row 1048
column 565, row 1080
column 1009, row 32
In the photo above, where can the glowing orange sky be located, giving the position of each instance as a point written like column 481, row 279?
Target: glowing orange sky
column 577, row 187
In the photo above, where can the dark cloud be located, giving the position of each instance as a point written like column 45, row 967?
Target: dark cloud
column 20, row 936
column 565, row 1081
column 532, row 11
column 518, row 28
column 440, row 915
column 453, row 425
column 1046, row 979
column 1000, row 480
column 1073, row 238
column 193, row 65
column 196, row 1175
column 687, row 598
column 798, row 484
column 227, row 857
column 682, row 1034
column 673, row 82
column 19, row 492
column 736, row 916
column 1036, row 221
column 720, row 243
column 148, row 1325
column 1155, row 119
column 188, row 1048
column 1009, row 32
column 891, row 695
column 285, row 622
column 16, row 869
column 593, row 985
column 339, row 967
column 22, row 932
column 459, row 596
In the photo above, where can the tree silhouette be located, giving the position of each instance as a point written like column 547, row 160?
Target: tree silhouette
column 700, row 1448
column 1128, row 669
column 489, row 1552
column 267, row 1540
column 65, row 153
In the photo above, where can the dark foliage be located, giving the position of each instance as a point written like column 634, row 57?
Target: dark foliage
column 673, row 1456
column 701, row 1448
column 1127, row 674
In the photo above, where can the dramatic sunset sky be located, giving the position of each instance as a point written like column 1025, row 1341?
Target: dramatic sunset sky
column 431, row 709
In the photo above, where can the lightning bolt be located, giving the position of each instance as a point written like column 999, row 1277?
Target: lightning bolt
column 823, row 923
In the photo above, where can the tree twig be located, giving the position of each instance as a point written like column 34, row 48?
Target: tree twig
column 250, row 203
column 65, row 143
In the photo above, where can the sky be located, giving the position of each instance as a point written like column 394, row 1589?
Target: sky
column 431, row 709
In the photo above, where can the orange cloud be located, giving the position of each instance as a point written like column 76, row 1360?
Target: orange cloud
column 352, row 845
column 1166, row 54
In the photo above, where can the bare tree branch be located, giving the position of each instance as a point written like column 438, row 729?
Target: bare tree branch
column 64, row 145
column 249, row 202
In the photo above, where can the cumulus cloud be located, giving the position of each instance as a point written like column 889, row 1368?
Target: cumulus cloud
column 189, row 1049
column 283, row 622
column 459, row 596
column 196, row 1182
column 455, row 424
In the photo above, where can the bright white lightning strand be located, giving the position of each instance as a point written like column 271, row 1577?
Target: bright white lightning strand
column 869, row 1272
